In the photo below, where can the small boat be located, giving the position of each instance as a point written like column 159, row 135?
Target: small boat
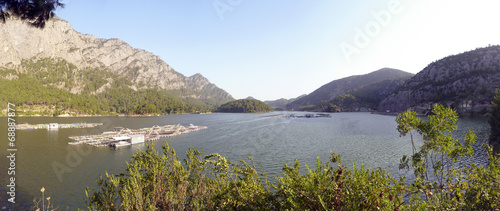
column 120, row 144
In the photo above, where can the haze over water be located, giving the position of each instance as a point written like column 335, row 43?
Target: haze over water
column 364, row 138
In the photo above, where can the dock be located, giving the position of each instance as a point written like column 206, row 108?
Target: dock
column 124, row 136
column 51, row 126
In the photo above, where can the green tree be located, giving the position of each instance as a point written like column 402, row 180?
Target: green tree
column 345, row 102
column 36, row 12
column 332, row 108
column 438, row 153
column 245, row 106
column 323, row 105
column 494, row 121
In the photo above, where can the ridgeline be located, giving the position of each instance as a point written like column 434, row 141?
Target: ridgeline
column 53, row 87
column 58, row 70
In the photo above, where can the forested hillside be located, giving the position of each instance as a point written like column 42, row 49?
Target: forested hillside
column 55, row 87
column 354, row 93
column 330, row 91
column 245, row 106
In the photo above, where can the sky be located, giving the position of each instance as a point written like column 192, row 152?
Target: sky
column 282, row 48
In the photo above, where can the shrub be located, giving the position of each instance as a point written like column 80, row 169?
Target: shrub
column 161, row 182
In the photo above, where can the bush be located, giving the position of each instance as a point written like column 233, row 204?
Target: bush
column 161, row 182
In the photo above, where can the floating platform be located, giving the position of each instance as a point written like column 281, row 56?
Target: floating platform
column 52, row 126
column 124, row 136
column 301, row 116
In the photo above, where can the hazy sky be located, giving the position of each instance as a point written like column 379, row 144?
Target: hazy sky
column 281, row 48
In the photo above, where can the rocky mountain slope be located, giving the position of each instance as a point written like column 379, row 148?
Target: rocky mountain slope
column 465, row 81
column 338, row 87
column 58, row 40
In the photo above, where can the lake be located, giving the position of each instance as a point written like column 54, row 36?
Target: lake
column 44, row 158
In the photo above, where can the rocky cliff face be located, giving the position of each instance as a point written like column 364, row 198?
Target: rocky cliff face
column 58, row 39
column 465, row 81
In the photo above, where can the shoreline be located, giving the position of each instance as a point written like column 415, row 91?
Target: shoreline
column 116, row 115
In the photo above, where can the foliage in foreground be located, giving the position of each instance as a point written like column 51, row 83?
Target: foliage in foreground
column 35, row 13
column 161, row 182
column 441, row 181
column 494, row 122
column 41, row 202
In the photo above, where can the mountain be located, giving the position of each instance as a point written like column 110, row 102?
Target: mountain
column 53, row 87
column 369, row 96
column 60, row 42
column 282, row 102
column 464, row 81
column 330, row 91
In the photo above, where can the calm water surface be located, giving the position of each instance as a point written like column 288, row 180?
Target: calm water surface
column 44, row 158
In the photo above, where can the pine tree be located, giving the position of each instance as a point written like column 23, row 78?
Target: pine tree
column 35, row 12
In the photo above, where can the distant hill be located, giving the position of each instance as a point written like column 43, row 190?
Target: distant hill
column 464, row 81
column 281, row 103
column 330, row 91
column 369, row 96
column 245, row 106
column 22, row 48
